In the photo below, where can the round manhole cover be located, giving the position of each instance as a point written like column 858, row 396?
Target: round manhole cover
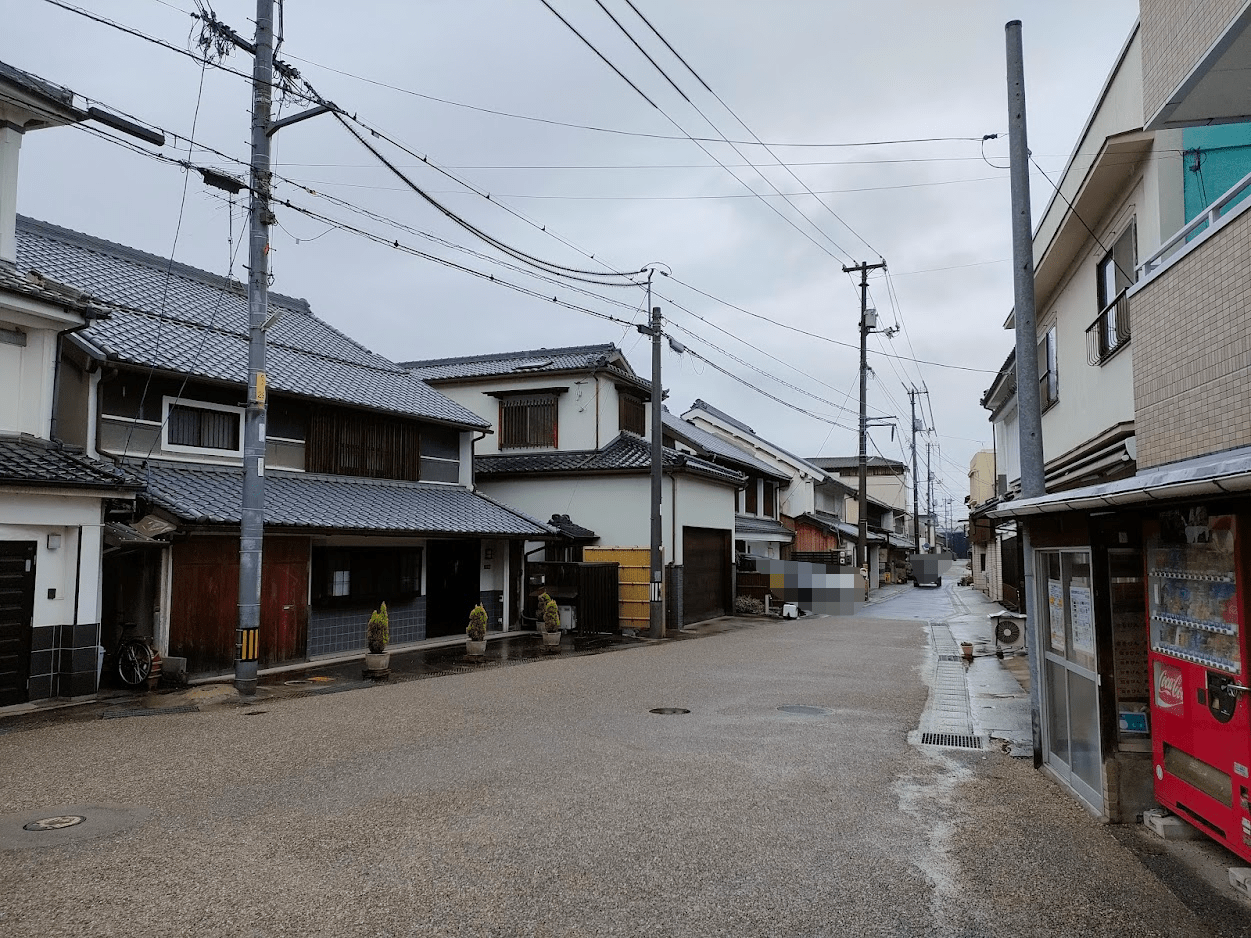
column 297, row 683
column 804, row 711
column 54, row 823
column 669, row 710
column 253, row 713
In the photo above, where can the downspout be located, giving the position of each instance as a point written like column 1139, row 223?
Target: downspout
column 473, row 464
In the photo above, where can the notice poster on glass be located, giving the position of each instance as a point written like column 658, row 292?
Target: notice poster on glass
column 1083, row 620
column 1055, row 609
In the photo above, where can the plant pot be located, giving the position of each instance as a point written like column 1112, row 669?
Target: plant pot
column 551, row 639
column 966, row 649
column 377, row 665
column 475, row 649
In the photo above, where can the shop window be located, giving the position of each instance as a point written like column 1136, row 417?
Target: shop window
column 528, row 421
column 203, row 428
column 632, row 414
column 365, row 576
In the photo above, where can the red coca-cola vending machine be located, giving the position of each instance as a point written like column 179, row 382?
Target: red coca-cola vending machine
column 1201, row 730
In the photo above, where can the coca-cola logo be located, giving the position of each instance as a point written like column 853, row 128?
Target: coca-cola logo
column 1168, row 687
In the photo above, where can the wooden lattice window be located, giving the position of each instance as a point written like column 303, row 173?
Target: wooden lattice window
column 633, row 414
column 528, row 421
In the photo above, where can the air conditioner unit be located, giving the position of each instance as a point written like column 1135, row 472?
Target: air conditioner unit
column 1009, row 630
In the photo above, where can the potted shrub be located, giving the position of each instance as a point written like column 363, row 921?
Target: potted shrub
column 377, row 635
column 476, row 630
column 550, row 622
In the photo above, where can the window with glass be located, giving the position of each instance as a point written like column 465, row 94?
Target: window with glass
column 1048, row 375
column 1114, row 274
column 199, row 427
column 632, row 414
column 365, row 575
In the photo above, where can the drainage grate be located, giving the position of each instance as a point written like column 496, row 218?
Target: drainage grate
column 950, row 657
column 804, row 711
column 951, row 741
column 147, row 712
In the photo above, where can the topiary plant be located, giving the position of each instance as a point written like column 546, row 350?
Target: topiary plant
column 477, row 627
column 551, row 616
column 379, row 631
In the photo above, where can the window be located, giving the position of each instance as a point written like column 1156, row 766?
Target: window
column 358, row 443
column 365, row 576
column 199, row 427
column 1115, row 273
column 528, row 421
column 1048, row 379
column 440, row 454
column 752, row 499
column 770, row 499
column 633, row 414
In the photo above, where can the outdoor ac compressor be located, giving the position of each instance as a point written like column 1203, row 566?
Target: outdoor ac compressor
column 1009, row 630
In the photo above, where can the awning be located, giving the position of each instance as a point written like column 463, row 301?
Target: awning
column 1209, row 476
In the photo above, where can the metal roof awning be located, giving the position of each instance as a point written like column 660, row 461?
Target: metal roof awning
column 1209, row 476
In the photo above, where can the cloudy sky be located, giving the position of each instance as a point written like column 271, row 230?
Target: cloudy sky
column 585, row 171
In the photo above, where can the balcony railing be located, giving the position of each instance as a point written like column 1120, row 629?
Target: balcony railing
column 1218, row 211
column 1109, row 333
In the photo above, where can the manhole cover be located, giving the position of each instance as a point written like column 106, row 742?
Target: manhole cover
column 804, row 711
column 54, row 823
column 297, row 683
column 253, row 713
column 669, row 710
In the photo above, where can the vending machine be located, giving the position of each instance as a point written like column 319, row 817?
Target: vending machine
column 1201, row 730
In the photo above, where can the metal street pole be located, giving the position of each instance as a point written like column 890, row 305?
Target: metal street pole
column 252, row 520
column 656, row 608
column 862, row 536
column 916, row 504
column 1033, row 477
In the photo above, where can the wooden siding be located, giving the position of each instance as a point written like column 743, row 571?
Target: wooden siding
column 705, row 574
column 528, row 421
column 353, row 443
column 633, row 575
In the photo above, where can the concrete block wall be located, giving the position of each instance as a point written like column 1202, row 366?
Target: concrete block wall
column 1192, row 349
column 1175, row 35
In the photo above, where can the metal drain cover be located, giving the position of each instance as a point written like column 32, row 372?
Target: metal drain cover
column 253, row 713
column 57, row 823
column 951, row 740
column 297, row 683
column 669, row 710
column 804, row 711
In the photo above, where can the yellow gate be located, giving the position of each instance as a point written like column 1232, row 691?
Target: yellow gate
column 634, row 570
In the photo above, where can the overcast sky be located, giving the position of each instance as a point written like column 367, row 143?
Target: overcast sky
column 810, row 78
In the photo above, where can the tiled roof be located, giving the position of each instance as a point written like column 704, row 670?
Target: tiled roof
column 180, row 319
column 714, row 446
column 573, row 358
column 39, row 289
column 31, row 462
column 750, row 524
column 836, row 525
column 571, row 529
column 626, row 453
column 815, row 470
column 213, row 495
column 853, row 462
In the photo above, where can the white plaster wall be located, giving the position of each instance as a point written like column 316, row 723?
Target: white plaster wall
column 32, row 516
column 26, row 381
column 1008, row 444
column 616, row 507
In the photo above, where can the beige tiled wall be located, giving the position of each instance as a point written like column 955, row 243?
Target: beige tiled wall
column 1192, row 351
column 1175, row 34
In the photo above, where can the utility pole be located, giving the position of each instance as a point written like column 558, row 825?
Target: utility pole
column 929, row 497
column 868, row 322
column 656, row 606
column 252, row 517
column 1033, row 478
column 916, row 504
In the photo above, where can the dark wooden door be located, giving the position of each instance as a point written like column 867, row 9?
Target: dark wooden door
column 452, row 588
column 204, row 602
column 17, row 607
column 705, row 573
column 284, row 600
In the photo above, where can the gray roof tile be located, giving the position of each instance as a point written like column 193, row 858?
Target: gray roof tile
column 573, row 358
column 714, row 446
column 180, row 319
column 626, row 453
column 750, row 524
column 212, row 495
column 25, row 461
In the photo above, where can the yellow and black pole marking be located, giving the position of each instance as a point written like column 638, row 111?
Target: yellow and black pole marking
column 249, row 644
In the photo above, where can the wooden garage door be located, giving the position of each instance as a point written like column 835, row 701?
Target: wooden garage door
column 705, row 574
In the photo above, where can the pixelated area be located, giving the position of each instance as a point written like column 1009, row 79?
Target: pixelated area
column 814, row 587
column 926, row 569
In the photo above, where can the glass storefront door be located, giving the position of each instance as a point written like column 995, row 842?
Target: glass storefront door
column 1070, row 679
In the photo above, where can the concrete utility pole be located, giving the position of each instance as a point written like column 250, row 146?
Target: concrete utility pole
column 929, row 497
column 868, row 322
column 1033, row 477
column 916, row 504
column 656, row 607
column 252, row 518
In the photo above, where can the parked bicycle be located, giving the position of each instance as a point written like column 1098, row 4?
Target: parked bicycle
column 131, row 658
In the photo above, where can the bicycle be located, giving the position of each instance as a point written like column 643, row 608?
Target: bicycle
column 131, row 658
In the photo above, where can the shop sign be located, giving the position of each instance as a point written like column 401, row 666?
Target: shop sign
column 1169, row 693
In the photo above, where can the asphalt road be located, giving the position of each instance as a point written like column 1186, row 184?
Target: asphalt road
column 547, row 800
